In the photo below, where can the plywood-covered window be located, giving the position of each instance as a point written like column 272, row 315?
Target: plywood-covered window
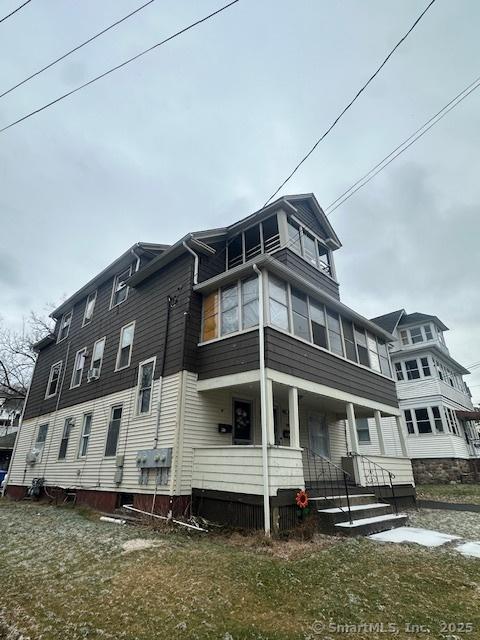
column 210, row 316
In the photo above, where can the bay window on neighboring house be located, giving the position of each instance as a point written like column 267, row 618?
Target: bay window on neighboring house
column 53, row 380
column 125, row 346
column 415, row 335
column 78, row 366
column 424, row 421
column 65, row 323
column 145, row 386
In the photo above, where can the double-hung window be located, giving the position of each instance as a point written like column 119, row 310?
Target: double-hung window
column 85, row 435
column 363, row 432
column 411, row 367
column 120, row 289
column 373, row 352
column 294, row 241
column 361, row 341
column 404, row 337
column 416, row 334
column 423, row 421
column 65, row 323
column 309, row 249
column 113, row 431
column 349, row 338
column 41, row 438
column 409, row 421
column 229, row 309
column 278, row 303
column 78, row 366
column 334, row 332
column 399, row 371
column 67, row 429
column 428, row 332
column 425, row 367
column 97, row 358
column 301, row 325
column 384, row 360
column 125, row 346
column 89, row 308
column 249, row 303
column 54, row 380
column 319, row 325
column 145, row 384
column 437, row 418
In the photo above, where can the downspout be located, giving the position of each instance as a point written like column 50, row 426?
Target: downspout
column 162, row 371
column 195, row 265
column 137, row 265
column 263, row 402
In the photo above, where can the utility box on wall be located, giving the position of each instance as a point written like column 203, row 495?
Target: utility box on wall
column 159, row 460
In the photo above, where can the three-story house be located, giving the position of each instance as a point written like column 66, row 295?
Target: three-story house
column 220, row 374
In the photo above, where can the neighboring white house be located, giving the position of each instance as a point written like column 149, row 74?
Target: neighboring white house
column 10, row 412
column 442, row 432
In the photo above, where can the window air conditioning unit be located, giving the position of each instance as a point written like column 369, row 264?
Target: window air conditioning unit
column 32, row 456
column 93, row 374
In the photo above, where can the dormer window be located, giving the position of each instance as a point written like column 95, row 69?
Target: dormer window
column 260, row 238
column 120, row 289
column 415, row 335
column 65, row 326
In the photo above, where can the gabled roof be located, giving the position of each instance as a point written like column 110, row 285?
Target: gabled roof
column 389, row 321
column 319, row 213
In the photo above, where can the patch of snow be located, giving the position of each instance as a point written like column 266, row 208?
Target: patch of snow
column 425, row 537
column 471, row 549
column 137, row 544
column 362, row 521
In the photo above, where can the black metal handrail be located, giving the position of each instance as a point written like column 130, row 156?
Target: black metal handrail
column 326, row 477
column 377, row 476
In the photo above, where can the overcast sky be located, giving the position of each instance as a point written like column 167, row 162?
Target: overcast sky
column 200, row 132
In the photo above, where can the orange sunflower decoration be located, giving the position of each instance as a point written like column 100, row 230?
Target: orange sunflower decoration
column 302, row 499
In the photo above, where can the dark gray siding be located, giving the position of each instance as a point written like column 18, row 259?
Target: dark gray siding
column 231, row 355
column 306, row 215
column 211, row 266
column 301, row 267
column 288, row 355
column 147, row 305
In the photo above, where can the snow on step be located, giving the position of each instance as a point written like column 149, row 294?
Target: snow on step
column 353, row 495
column 471, row 549
column 363, row 521
column 355, row 507
column 425, row 537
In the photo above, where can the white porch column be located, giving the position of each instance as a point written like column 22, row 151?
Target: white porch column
column 269, row 412
column 378, row 425
column 401, row 434
column 352, row 428
column 293, row 417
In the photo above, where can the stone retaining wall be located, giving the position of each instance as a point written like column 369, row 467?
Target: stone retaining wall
column 445, row 470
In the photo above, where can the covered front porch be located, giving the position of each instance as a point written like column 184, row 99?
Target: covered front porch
column 311, row 437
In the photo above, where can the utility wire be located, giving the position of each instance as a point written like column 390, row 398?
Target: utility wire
column 65, row 55
column 357, row 95
column 402, row 147
column 14, row 11
column 119, row 66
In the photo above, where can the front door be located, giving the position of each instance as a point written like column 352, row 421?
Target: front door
column 318, row 434
column 242, row 422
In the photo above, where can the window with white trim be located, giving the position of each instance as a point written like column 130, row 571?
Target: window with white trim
column 361, row 340
column 278, row 303
column 78, row 366
column 300, row 322
column 349, row 340
column 334, row 332
column 411, row 367
column 89, row 308
column 125, row 346
column 409, row 421
column 145, row 385
column 53, row 380
column 305, row 243
column 85, row 435
column 230, row 309
column 41, row 438
column 120, row 289
column 437, row 418
column 65, row 323
column 384, row 359
column 249, row 306
column 399, row 371
column 423, row 421
column 319, row 324
column 425, row 367
column 373, row 352
column 113, row 431
column 67, row 429
column 363, row 431
column 97, row 357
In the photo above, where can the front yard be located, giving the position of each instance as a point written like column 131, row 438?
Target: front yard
column 66, row 575
column 457, row 493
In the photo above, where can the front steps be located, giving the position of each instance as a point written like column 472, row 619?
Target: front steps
column 367, row 514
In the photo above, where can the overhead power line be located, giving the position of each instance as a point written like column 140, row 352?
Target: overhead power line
column 14, row 11
column 119, row 66
column 403, row 146
column 65, row 55
column 354, row 99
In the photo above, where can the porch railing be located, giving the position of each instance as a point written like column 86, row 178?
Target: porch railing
column 374, row 475
column 326, row 479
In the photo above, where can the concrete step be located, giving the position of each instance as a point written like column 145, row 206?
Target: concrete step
column 367, row 526
column 340, row 500
column 359, row 511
